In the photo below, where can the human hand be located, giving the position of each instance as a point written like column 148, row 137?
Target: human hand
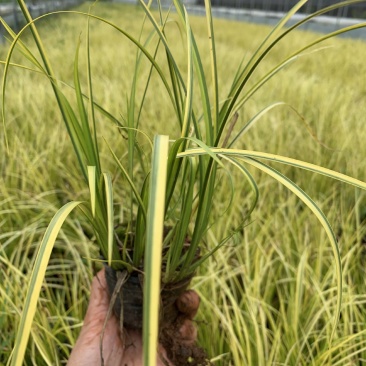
column 86, row 351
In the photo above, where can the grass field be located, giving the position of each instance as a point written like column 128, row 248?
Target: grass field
column 269, row 295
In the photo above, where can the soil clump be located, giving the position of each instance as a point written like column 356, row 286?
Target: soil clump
column 128, row 303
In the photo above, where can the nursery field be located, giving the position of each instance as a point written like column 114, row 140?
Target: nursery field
column 269, row 295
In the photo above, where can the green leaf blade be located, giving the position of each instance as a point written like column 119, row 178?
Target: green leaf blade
column 153, row 251
column 36, row 280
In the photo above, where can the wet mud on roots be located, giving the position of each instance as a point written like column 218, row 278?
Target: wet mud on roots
column 128, row 307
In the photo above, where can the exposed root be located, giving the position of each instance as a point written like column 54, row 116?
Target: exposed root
column 121, row 280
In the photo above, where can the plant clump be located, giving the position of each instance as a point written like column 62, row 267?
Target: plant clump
column 126, row 294
column 172, row 185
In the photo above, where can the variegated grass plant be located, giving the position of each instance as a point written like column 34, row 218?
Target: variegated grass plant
column 178, row 188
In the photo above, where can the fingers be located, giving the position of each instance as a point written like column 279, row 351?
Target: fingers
column 86, row 351
column 99, row 300
column 188, row 332
column 188, row 303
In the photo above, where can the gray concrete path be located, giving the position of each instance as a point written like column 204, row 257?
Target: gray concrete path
column 12, row 15
column 321, row 24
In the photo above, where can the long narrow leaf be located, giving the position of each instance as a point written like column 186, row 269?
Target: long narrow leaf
column 260, row 114
column 139, row 245
column 279, row 159
column 251, row 67
column 320, row 216
column 36, row 281
column 31, row 24
column 252, row 64
column 86, row 140
column 214, row 73
column 92, row 187
column 175, row 253
column 110, row 216
column 253, row 120
column 153, row 252
column 250, row 180
column 91, row 99
column 130, row 182
column 189, row 96
column 202, row 82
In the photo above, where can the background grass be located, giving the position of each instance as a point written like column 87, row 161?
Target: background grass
column 271, row 290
